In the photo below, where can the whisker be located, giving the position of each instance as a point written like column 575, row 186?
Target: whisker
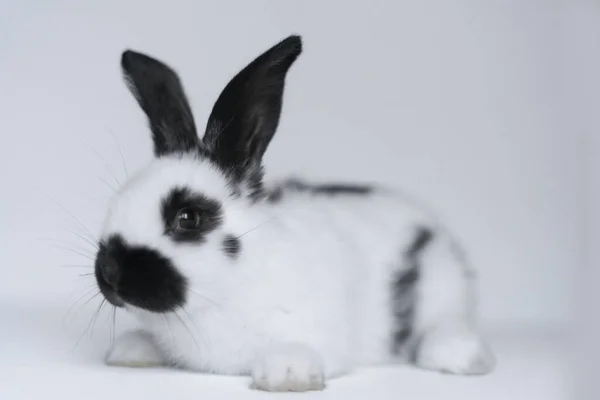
column 190, row 317
column 219, row 306
column 66, row 242
column 85, row 331
column 75, row 266
column 205, row 298
column 84, row 304
column 190, row 332
column 90, row 289
column 120, row 152
column 196, row 327
column 75, row 251
column 86, row 287
column 94, row 244
column 258, row 226
column 81, row 231
column 114, row 326
column 114, row 176
column 96, row 316
column 74, row 218
column 170, row 329
column 106, row 182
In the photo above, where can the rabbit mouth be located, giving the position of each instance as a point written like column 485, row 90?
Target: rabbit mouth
column 138, row 276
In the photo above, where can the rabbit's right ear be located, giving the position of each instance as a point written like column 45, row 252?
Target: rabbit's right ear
column 245, row 116
column 159, row 92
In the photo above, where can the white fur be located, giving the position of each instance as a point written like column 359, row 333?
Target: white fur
column 454, row 347
column 310, row 292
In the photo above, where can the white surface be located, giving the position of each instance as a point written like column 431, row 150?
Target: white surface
column 455, row 102
column 39, row 358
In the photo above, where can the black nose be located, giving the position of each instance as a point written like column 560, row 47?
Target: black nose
column 110, row 272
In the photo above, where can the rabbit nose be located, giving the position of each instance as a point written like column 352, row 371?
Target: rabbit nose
column 110, row 272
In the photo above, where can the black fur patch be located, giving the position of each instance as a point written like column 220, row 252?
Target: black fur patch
column 325, row 189
column 422, row 238
column 139, row 276
column 404, row 289
column 243, row 119
column 246, row 114
column 160, row 94
column 232, row 246
column 208, row 210
column 335, row 189
column 275, row 195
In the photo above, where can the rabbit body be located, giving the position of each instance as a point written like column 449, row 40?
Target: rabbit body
column 292, row 283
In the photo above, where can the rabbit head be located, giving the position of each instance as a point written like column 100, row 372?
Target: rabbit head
column 179, row 215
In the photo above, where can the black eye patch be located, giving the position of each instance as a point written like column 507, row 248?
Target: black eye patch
column 188, row 217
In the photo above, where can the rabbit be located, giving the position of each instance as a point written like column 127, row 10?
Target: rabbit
column 290, row 283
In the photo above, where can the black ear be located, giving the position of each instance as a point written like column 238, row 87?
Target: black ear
column 246, row 114
column 159, row 92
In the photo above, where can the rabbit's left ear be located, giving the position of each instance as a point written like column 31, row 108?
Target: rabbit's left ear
column 246, row 114
column 159, row 92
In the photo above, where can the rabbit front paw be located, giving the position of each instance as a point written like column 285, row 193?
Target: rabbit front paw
column 135, row 349
column 288, row 368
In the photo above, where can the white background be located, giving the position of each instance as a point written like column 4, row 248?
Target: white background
column 582, row 57
column 467, row 104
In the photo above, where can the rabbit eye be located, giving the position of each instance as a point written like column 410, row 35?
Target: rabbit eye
column 187, row 219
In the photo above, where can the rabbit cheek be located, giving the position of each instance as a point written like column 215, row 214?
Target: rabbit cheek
column 139, row 276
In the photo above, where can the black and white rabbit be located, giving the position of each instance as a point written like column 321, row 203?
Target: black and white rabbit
column 292, row 283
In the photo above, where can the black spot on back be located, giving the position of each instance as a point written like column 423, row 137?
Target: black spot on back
column 277, row 193
column 422, row 238
column 336, row 189
column 404, row 287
